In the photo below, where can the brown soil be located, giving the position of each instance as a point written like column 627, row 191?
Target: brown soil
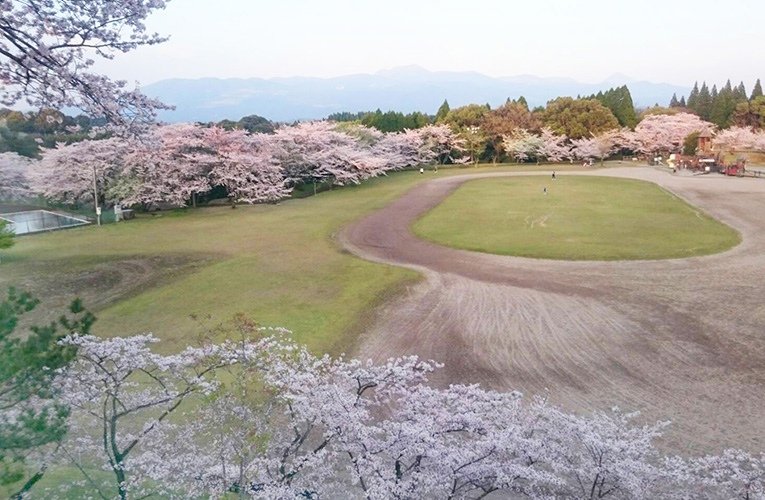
column 679, row 340
column 99, row 285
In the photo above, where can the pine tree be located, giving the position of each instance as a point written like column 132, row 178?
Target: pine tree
column 682, row 102
column 673, row 103
column 522, row 101
column 619, row 101
column 756, row 91
column 442, row 112
column 704, row 106
column 740, row 92
column 693, row 98
column 723, row 106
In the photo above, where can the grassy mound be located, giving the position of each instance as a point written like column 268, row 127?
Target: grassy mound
column 576, row 218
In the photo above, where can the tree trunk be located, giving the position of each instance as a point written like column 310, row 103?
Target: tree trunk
column 19, row 495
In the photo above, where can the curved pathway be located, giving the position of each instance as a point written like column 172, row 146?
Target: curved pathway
column 680, row 340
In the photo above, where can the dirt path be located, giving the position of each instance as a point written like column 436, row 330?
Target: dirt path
column 680, row 340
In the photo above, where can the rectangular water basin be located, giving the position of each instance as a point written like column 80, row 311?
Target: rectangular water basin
column 36, row 221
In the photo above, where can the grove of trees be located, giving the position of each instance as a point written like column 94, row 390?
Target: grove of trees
column 727, row 106
column 261, row 417
column 178, row 162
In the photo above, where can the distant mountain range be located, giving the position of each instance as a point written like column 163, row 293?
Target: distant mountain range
column 405, row 89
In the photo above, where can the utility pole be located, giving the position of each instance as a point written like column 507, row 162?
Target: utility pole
column 95, row 197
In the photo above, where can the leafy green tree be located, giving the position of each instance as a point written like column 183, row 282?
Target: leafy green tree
column 255, row 124
column 29, row 418
column 16, row 121
column 660, row 110
column 691, row 143
column 416, row 120
column 502, row 121
column 469, row 122
column 227, row 124
column 6, row 237
column 751, row 114
column 578, row 118
column 390, row 121
column 442, row 112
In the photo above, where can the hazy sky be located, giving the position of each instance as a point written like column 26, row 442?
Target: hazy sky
column 674, row 41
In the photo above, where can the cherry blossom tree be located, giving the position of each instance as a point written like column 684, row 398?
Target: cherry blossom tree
column 246, row 165
column 332, row 435
column 666, row 133
column 603, row 455
column 740, row 139
column 732, row 474
column 522, row 145
column 404, row 149
column 441, row 144
column 600, row 147
column 67, row 172
column 169, row 164
column 553, row 148
column 314, row 152
column 119, row 387
column 47, row 48
column 289, row 424
column 14, row 173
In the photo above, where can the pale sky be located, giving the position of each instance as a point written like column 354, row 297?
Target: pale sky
column 672, row 41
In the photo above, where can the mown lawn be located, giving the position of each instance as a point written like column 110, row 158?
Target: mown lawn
column 278, row 264
column 578, row 218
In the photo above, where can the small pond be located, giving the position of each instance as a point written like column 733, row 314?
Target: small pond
column 36, row 221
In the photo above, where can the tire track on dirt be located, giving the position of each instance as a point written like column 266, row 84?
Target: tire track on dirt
column 679, row 339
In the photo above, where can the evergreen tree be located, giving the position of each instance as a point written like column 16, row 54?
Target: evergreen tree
column 756, row 91
column 740, row 92
column 682, row 102
column 619, row 101
column 28, row 363
column 704, row 106
column 522, row 101
column 723, row 106
column 693, row 98
column 673, row 103
column 442, row 112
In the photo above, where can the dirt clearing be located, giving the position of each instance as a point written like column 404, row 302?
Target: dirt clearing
column 679, row 340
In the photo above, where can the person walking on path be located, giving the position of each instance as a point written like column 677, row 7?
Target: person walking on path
column 553, row 175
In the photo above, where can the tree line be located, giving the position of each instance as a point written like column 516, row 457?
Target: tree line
column 177, row 163
column 726, row 107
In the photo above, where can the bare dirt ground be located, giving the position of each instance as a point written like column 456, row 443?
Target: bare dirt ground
column 680, row 340
column 99, row 285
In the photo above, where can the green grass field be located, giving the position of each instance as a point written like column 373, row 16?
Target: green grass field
column 580, row 218
column 276, row 263
column 280, row 265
